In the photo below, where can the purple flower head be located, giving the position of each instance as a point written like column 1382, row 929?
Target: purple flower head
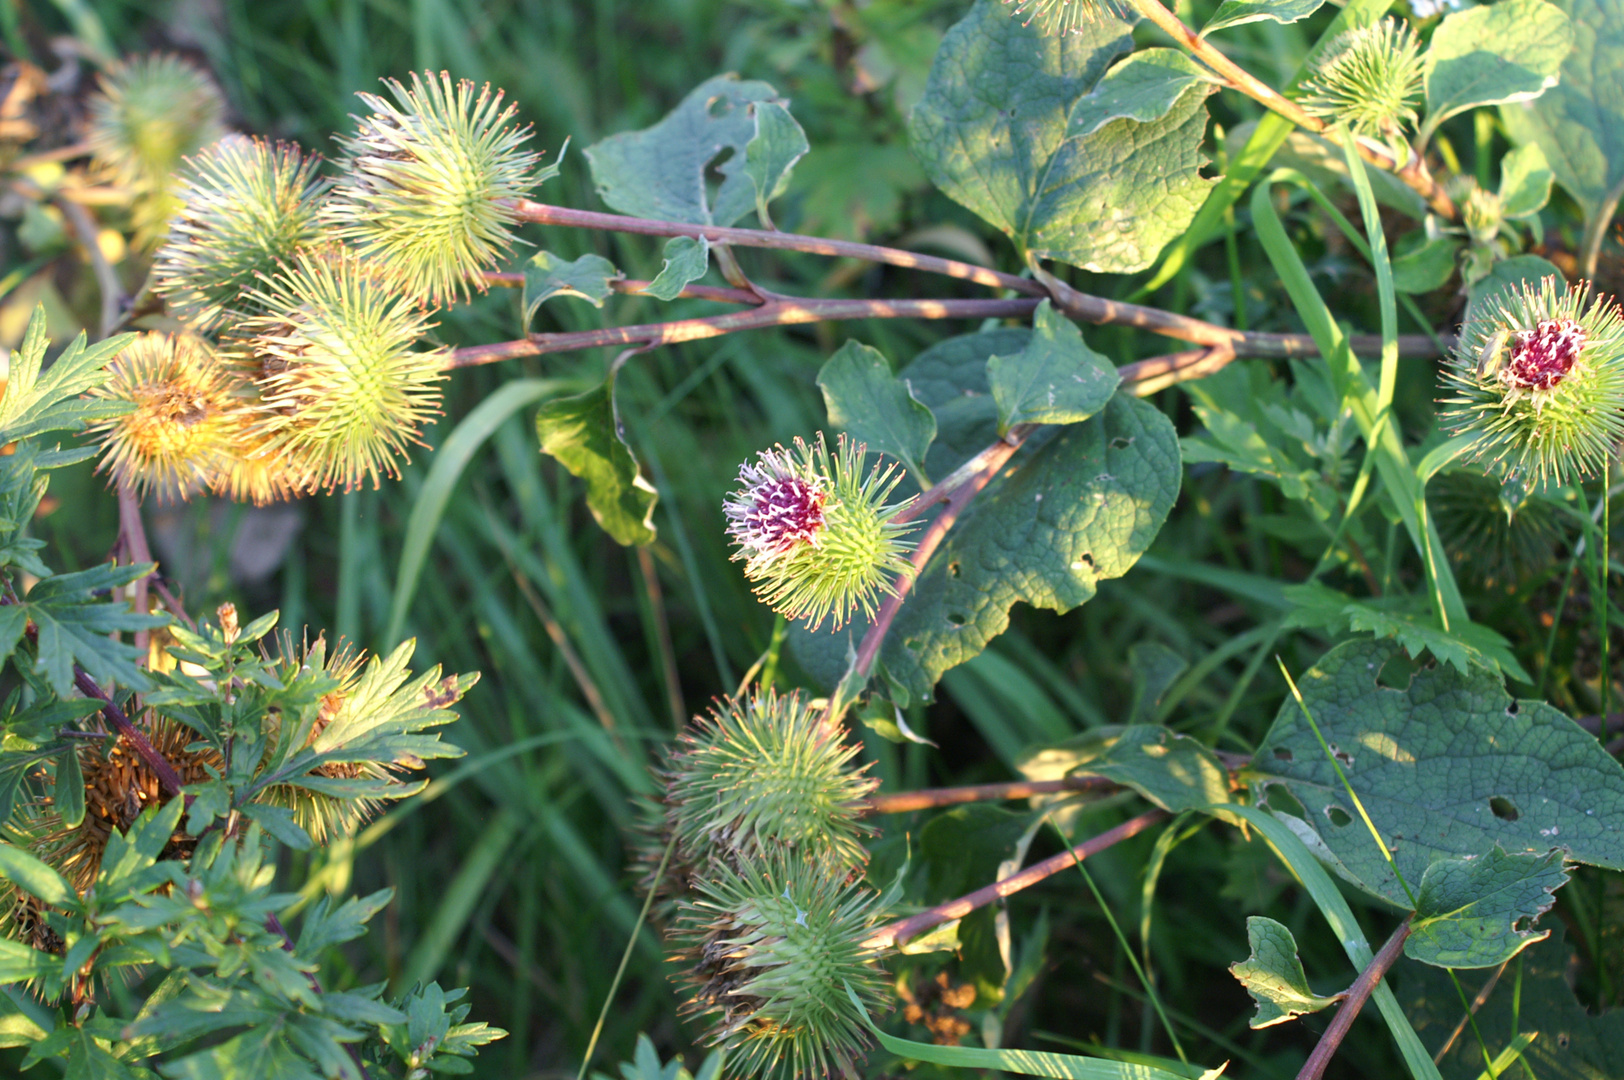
column 779, row 508
column 1542, row 357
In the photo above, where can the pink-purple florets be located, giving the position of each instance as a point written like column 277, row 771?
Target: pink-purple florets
column 1542, row 357
column 780, row 508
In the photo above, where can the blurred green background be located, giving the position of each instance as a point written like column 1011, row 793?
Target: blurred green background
column 513, row 875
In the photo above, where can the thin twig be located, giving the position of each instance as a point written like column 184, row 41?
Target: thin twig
column 902, row 930
column 1348, row 1011
column 903, row 802
column 112, row 293
column 546, row 214
column 168, row 779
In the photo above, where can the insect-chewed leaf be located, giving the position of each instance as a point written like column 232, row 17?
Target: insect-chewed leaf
column 1274, row 976
column 1477, row 911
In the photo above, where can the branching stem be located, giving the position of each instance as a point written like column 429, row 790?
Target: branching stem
column 1348, row 1011
column 902, row 930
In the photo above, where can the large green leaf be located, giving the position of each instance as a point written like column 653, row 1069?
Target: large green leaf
column 1504, row 52
column 1056, row 379
column 1448, row 766
column 950, row 379
column 1083, row 507
column 1533, row 994
column 583, row 433
column 661, row 171
column 1476, row 911
column 873, row 406
column 992, row 132
column 1579, row 123
column 1143, row 87
column 1274, row 975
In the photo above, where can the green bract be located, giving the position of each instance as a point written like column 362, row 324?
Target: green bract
column 774, row 945
column 816, row 533
column 246, row 207
column 763, row 774
column 422, row 185
column 1538, row 379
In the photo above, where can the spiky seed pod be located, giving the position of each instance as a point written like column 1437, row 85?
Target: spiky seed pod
column 151, row 112
column 422, row 183
column 255, row 472
column 343, row 390
column 1368, row 78
column 246, row 207
column 181, row 428
column 1060, row 17
column 1537, row 375
column 816, row 534
column 762, row 774
column 772, row 945
column 1493, row 542
column 119, row 785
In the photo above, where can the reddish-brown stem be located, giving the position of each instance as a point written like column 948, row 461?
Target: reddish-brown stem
column 776, row 312
column 168, row 778
column 903, row 802
column 545, row 214
column 903, row 929
column 510, row 279
column 991, row 460
column 1348, row 1011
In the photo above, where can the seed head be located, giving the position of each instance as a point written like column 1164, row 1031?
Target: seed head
column 343, row 391
column 246, row 207
column 150, row 113
column 814, row 531
column 761, row 774
column 422, row 184
column 181, row 427
column 1368, row 78
column 1482, row 214
column 773, row 945
column 1538, row 377
column 1057, row 18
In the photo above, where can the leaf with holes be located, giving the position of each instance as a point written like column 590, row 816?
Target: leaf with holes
column 547, row 275
column 663, row 171
column 1173, row 771
column 1082, row 508
column 1448, row 766
column 583, row 433
column 1056, row 379
column 874, row 407
column 1274, row 976
column 1477, row 911
column 992, row 132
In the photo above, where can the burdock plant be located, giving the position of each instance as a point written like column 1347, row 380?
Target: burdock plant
column 423, row 185
column 773, row 946
column 344, row 390
column 816, row 534
column 762, row 774
column 1538, row 380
